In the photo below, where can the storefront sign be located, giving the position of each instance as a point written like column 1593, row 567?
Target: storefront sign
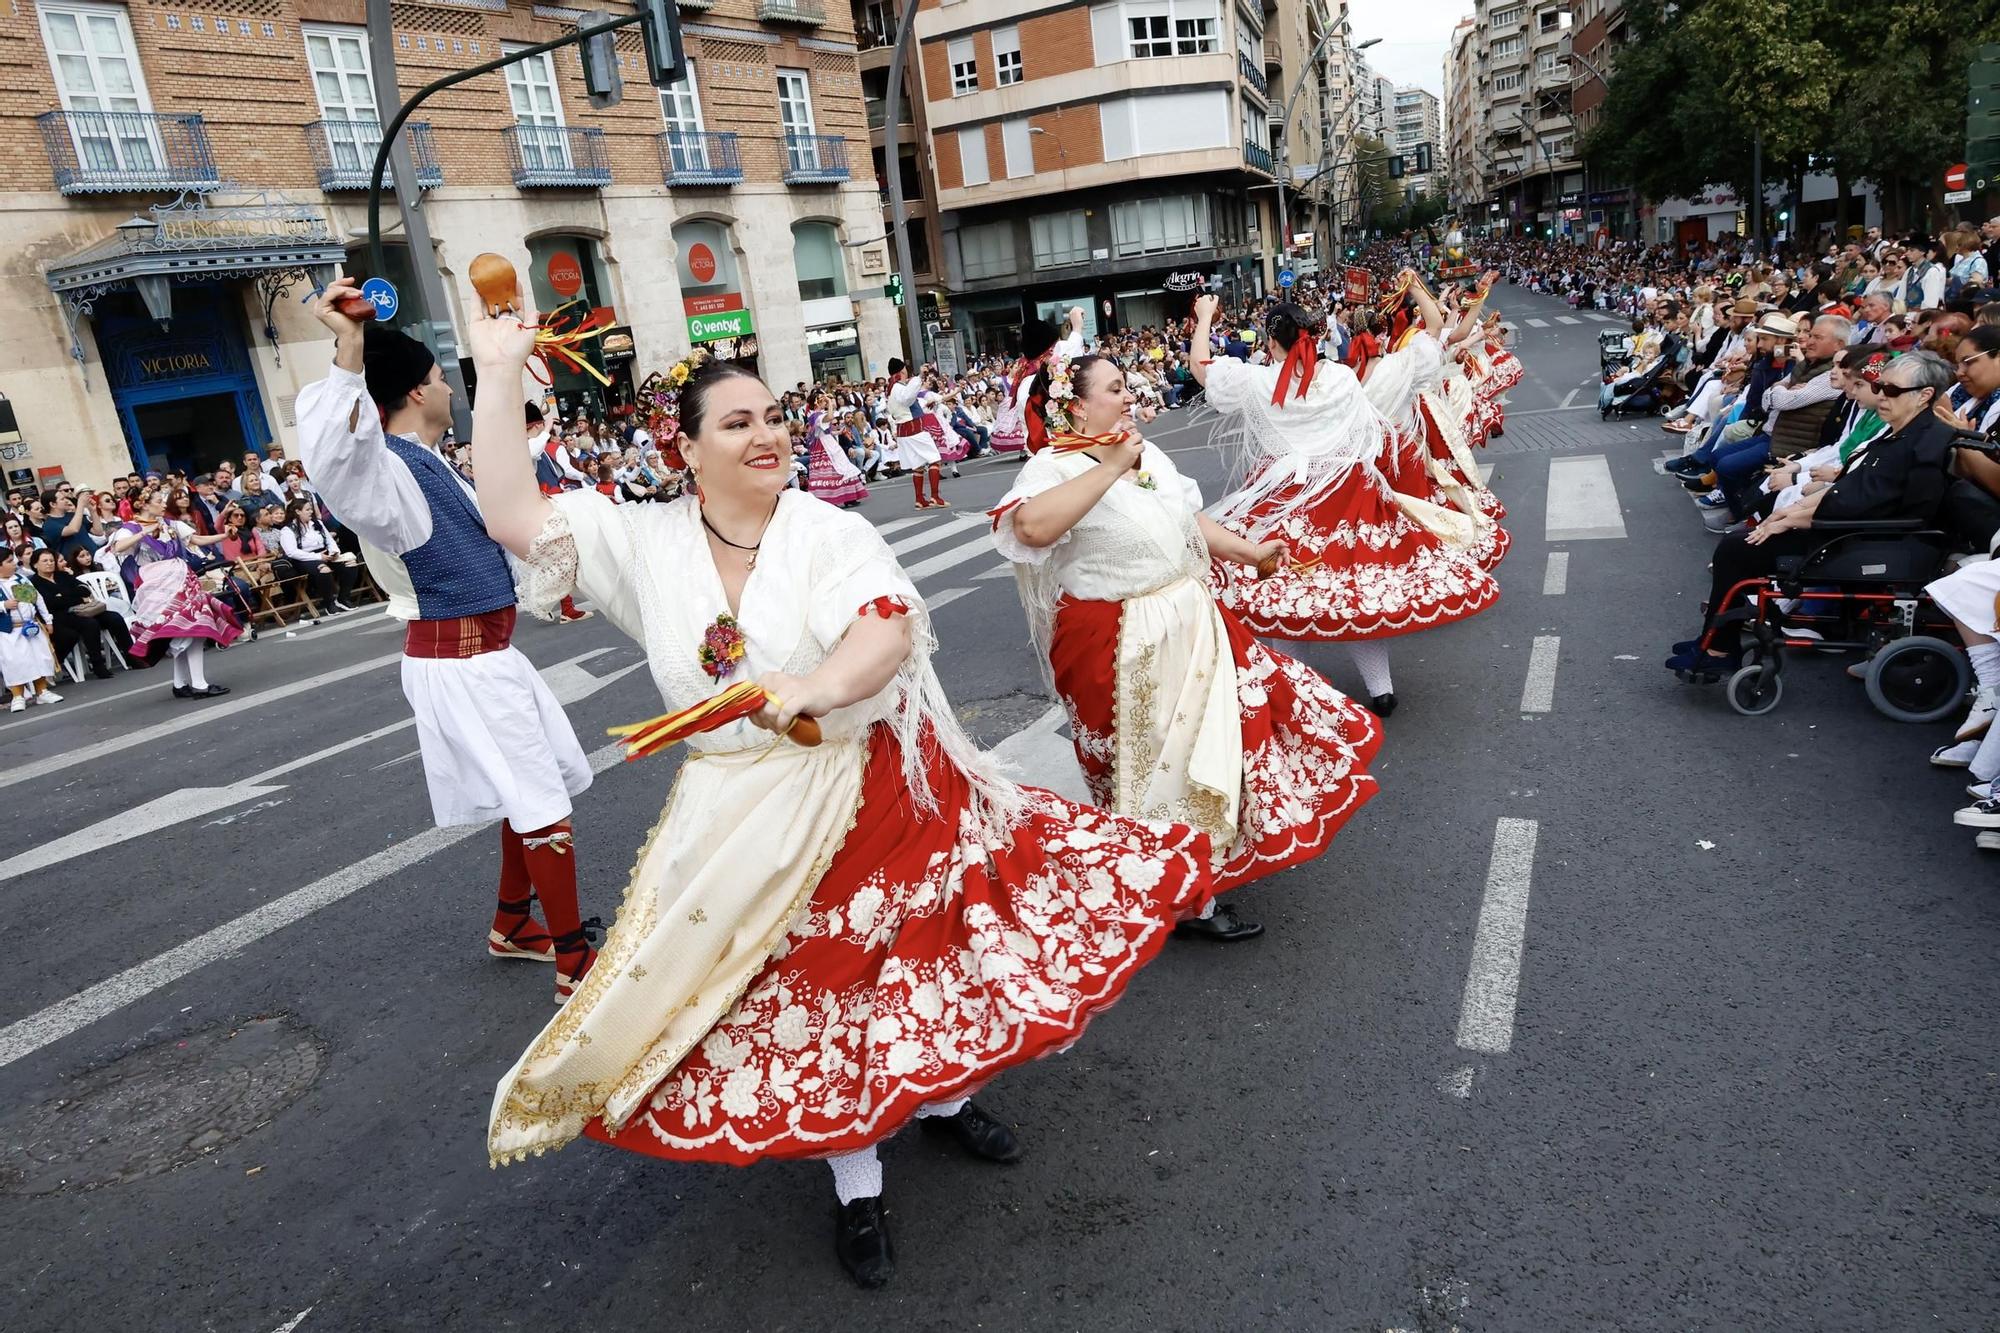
column 175, row 363
column 1571, row 198
column 727, row 324
column 701, row 262
column 564, row 273
column 1185, row 282
column 616, row 344
column 713, row 305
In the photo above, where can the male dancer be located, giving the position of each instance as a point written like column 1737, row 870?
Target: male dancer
column 919, row 449
column 495, row 742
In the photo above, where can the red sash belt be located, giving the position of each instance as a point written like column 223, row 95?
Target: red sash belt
column 910, row 427
column 460, row 637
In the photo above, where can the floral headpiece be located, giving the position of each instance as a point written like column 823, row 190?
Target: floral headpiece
column 659, row 395
column 1062, row 392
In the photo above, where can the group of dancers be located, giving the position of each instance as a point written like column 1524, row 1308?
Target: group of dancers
column 847, row 917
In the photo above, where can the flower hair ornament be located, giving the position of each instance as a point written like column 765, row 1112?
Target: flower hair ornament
column 1062, row 393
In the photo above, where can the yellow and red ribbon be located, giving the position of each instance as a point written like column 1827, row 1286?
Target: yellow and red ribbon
column 553, row 339
column 1069, row 442
column 732, row 705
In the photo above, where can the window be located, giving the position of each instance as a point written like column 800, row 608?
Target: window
column 988, row 250
column 920, row 247
column 964, row 66
column 1551, row 65
column 1165, row 123
column 1505, row 47
column 1503, row 83
column 680, row 107
column 1170, row 27
column 795, row 101
column 1505, row 18
column 98, row 79
column 816, row 257
column 972, row 156
column 1059, row 238
column 1007, row 55
column 1550, row 20
column 1150, row 226
column 531, row 88
column 1018, row 145
column 338, row 59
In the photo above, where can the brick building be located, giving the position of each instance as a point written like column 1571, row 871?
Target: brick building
column 178, row 174
column 1109, row 156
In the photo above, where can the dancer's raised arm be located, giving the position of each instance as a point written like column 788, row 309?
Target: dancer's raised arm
column 513, row 505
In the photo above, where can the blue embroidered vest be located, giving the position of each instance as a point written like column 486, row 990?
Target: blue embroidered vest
column 460, row 571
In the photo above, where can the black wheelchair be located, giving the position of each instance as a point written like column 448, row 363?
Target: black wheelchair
column 1862, row 589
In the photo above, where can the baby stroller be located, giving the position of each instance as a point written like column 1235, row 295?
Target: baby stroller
column 1644, row 396
column 1612, row 351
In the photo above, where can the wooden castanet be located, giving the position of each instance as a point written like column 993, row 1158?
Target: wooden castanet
column 804, row 731
column 1270, row 565
column 355, row 306
column 493, row 277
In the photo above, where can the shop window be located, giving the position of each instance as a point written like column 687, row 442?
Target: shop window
column 987, row 251
column 817, row 259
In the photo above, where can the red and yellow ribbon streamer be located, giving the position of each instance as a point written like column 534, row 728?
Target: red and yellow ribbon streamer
column 732, row 705
column 1069, row 442
column 552, row 338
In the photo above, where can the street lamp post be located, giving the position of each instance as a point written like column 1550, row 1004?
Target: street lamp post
column 1285, row 133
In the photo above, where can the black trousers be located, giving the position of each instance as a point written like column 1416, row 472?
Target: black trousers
column 1737, row 559
column 1971, row 513
column 324, row 582
column 72, row 629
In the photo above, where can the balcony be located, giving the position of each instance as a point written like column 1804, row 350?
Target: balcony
column 691, row 157
column 343, row 153
column 810, row 13
column 815, row 159
column 1253, row 76
column 1273, row 52
column 122, row 152
column 1258, row 158
column 561, row 157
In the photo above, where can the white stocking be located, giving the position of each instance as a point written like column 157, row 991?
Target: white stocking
column 857, row 1175
column 1373, row 661
column 942, row 1108
column 180, row 671
column 195, row 649
column 1207, row 911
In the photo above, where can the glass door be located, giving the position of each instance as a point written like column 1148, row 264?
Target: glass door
column 681, row 105
column 795, row 114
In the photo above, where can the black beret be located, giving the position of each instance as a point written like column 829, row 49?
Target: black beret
column 393, row 362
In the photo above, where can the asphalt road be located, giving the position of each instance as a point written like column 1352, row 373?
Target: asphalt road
column 1614, row 1011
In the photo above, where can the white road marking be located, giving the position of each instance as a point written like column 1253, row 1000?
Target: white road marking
column 1555, row 581
column 1493, row 980
column 980, row 545
column 1568, row 319
column 1600, row 317
column 1538, row 323
column 953, row 526
column 1568, row 398
column 1003, row 570
column 1582, row 502
column 294, row 1321
column 945, row 598
column 1458, row 1082
column 1538, row 695
column 1040, row 756
column 898, row 524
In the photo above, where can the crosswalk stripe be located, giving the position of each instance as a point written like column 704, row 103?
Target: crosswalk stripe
column 981, row 544
column 898, row 524
column 951, row 527
column 1538, row 323
column 946, row 598
column 1005, row 569
column 1600, row 318
column 1568, row 319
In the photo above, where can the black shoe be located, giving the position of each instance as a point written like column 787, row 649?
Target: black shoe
column 1225, row 927
column 1685, row 467
column 977, row 1132
column 1693, row 482
column 101, row 673
column 183, row 691
column 1382, row 705
column 208, row 692
column 861, row 1240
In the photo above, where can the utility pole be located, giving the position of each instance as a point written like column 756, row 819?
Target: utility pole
column 426, row 308
column 1757, row 191
column 892, row 155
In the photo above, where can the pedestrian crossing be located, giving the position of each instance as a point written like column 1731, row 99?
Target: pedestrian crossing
column 940, row 574
column 1594, row 316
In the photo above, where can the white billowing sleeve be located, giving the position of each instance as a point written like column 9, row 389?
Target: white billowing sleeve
column 369, row 489
column 854, row 573
column 1231, row 384
column 1038, row 474
column 585, row 547
column 1071, row 347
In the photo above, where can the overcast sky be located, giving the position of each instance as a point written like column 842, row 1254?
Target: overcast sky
column 1414, row 36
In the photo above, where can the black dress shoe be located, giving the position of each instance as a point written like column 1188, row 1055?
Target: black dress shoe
column 209, row 692
column 183, row 691
column 100, row 673
column 1224, row 927
column 977, row 1132
column 1382, row 705
column 861, row 1240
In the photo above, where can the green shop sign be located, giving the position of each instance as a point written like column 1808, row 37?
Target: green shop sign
column 727, row 324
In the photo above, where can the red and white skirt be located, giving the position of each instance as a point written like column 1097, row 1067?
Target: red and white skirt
column 170, row 604
column 1371, row 572
column 924, row 965
column 827, row 481
column 1306, row 746
column 951, row 446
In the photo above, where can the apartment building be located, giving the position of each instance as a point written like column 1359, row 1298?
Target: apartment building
column 1114, row 156
column 1418, row 122
column 179, row 174
column 1461, row 101
column 876, row 23
column 1527, row 139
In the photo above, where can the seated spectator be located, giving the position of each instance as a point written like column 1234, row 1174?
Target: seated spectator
column 78, row 616
column 1972, row 504
column 310, row 550
column 27, row 662
column 254, row 496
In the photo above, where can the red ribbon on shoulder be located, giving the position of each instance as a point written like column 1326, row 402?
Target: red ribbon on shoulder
column 1301, row 361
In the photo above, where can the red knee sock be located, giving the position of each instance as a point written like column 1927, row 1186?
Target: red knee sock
column 551, row 864
column 937, row 491
column 917, row 485
column 511, row 914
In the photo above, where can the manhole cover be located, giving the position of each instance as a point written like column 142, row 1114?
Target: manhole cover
column 154, row 1109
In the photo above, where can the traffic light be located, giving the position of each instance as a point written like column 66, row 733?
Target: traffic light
column 661, row 26
column 1352, row 252
column 894, row 288
column 1423, row 159
column 1396, row 166
column 599, row 52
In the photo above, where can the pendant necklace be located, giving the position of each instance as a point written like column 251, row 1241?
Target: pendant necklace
column 751, row 562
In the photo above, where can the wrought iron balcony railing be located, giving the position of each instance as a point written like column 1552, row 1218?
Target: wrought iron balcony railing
column 815, row 159
column 692, row 157
column 808, row 12
column 1253, row 76
column 123, row 152
column 1258, row 158
column 343, row 153
column 558, row 157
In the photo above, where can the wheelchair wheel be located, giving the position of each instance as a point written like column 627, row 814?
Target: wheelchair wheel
column 1918, row 679
column 1755, row 690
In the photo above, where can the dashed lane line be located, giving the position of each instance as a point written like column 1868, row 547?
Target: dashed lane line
column 1555, row 580
column 1538, row 694
column 1568, row 319
column 1536, row 323
column 1493, row 979
column 1582, row 500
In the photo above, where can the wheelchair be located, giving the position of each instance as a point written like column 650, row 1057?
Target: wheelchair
column 1862, row 589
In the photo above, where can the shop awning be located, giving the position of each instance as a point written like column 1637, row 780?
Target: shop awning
column 267, row 239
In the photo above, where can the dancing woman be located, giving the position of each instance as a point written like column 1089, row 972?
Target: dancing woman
column 1021, row 423
column 1362, row 569
column 171, row 611
column 830, row 473
column 1175, row 710
column 819, row 943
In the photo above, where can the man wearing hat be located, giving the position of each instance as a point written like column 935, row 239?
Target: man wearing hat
column 1765, row 341
column 916, row 445
column 495, row 743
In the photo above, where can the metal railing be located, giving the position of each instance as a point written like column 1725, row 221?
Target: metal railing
column 343, row 151
column 696, row 157
column 1258, row 158
column 809, row 12
column 557, row 156
column 1253, row 76
column 1273, row 51
column 116, row 152
column 815, row 159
